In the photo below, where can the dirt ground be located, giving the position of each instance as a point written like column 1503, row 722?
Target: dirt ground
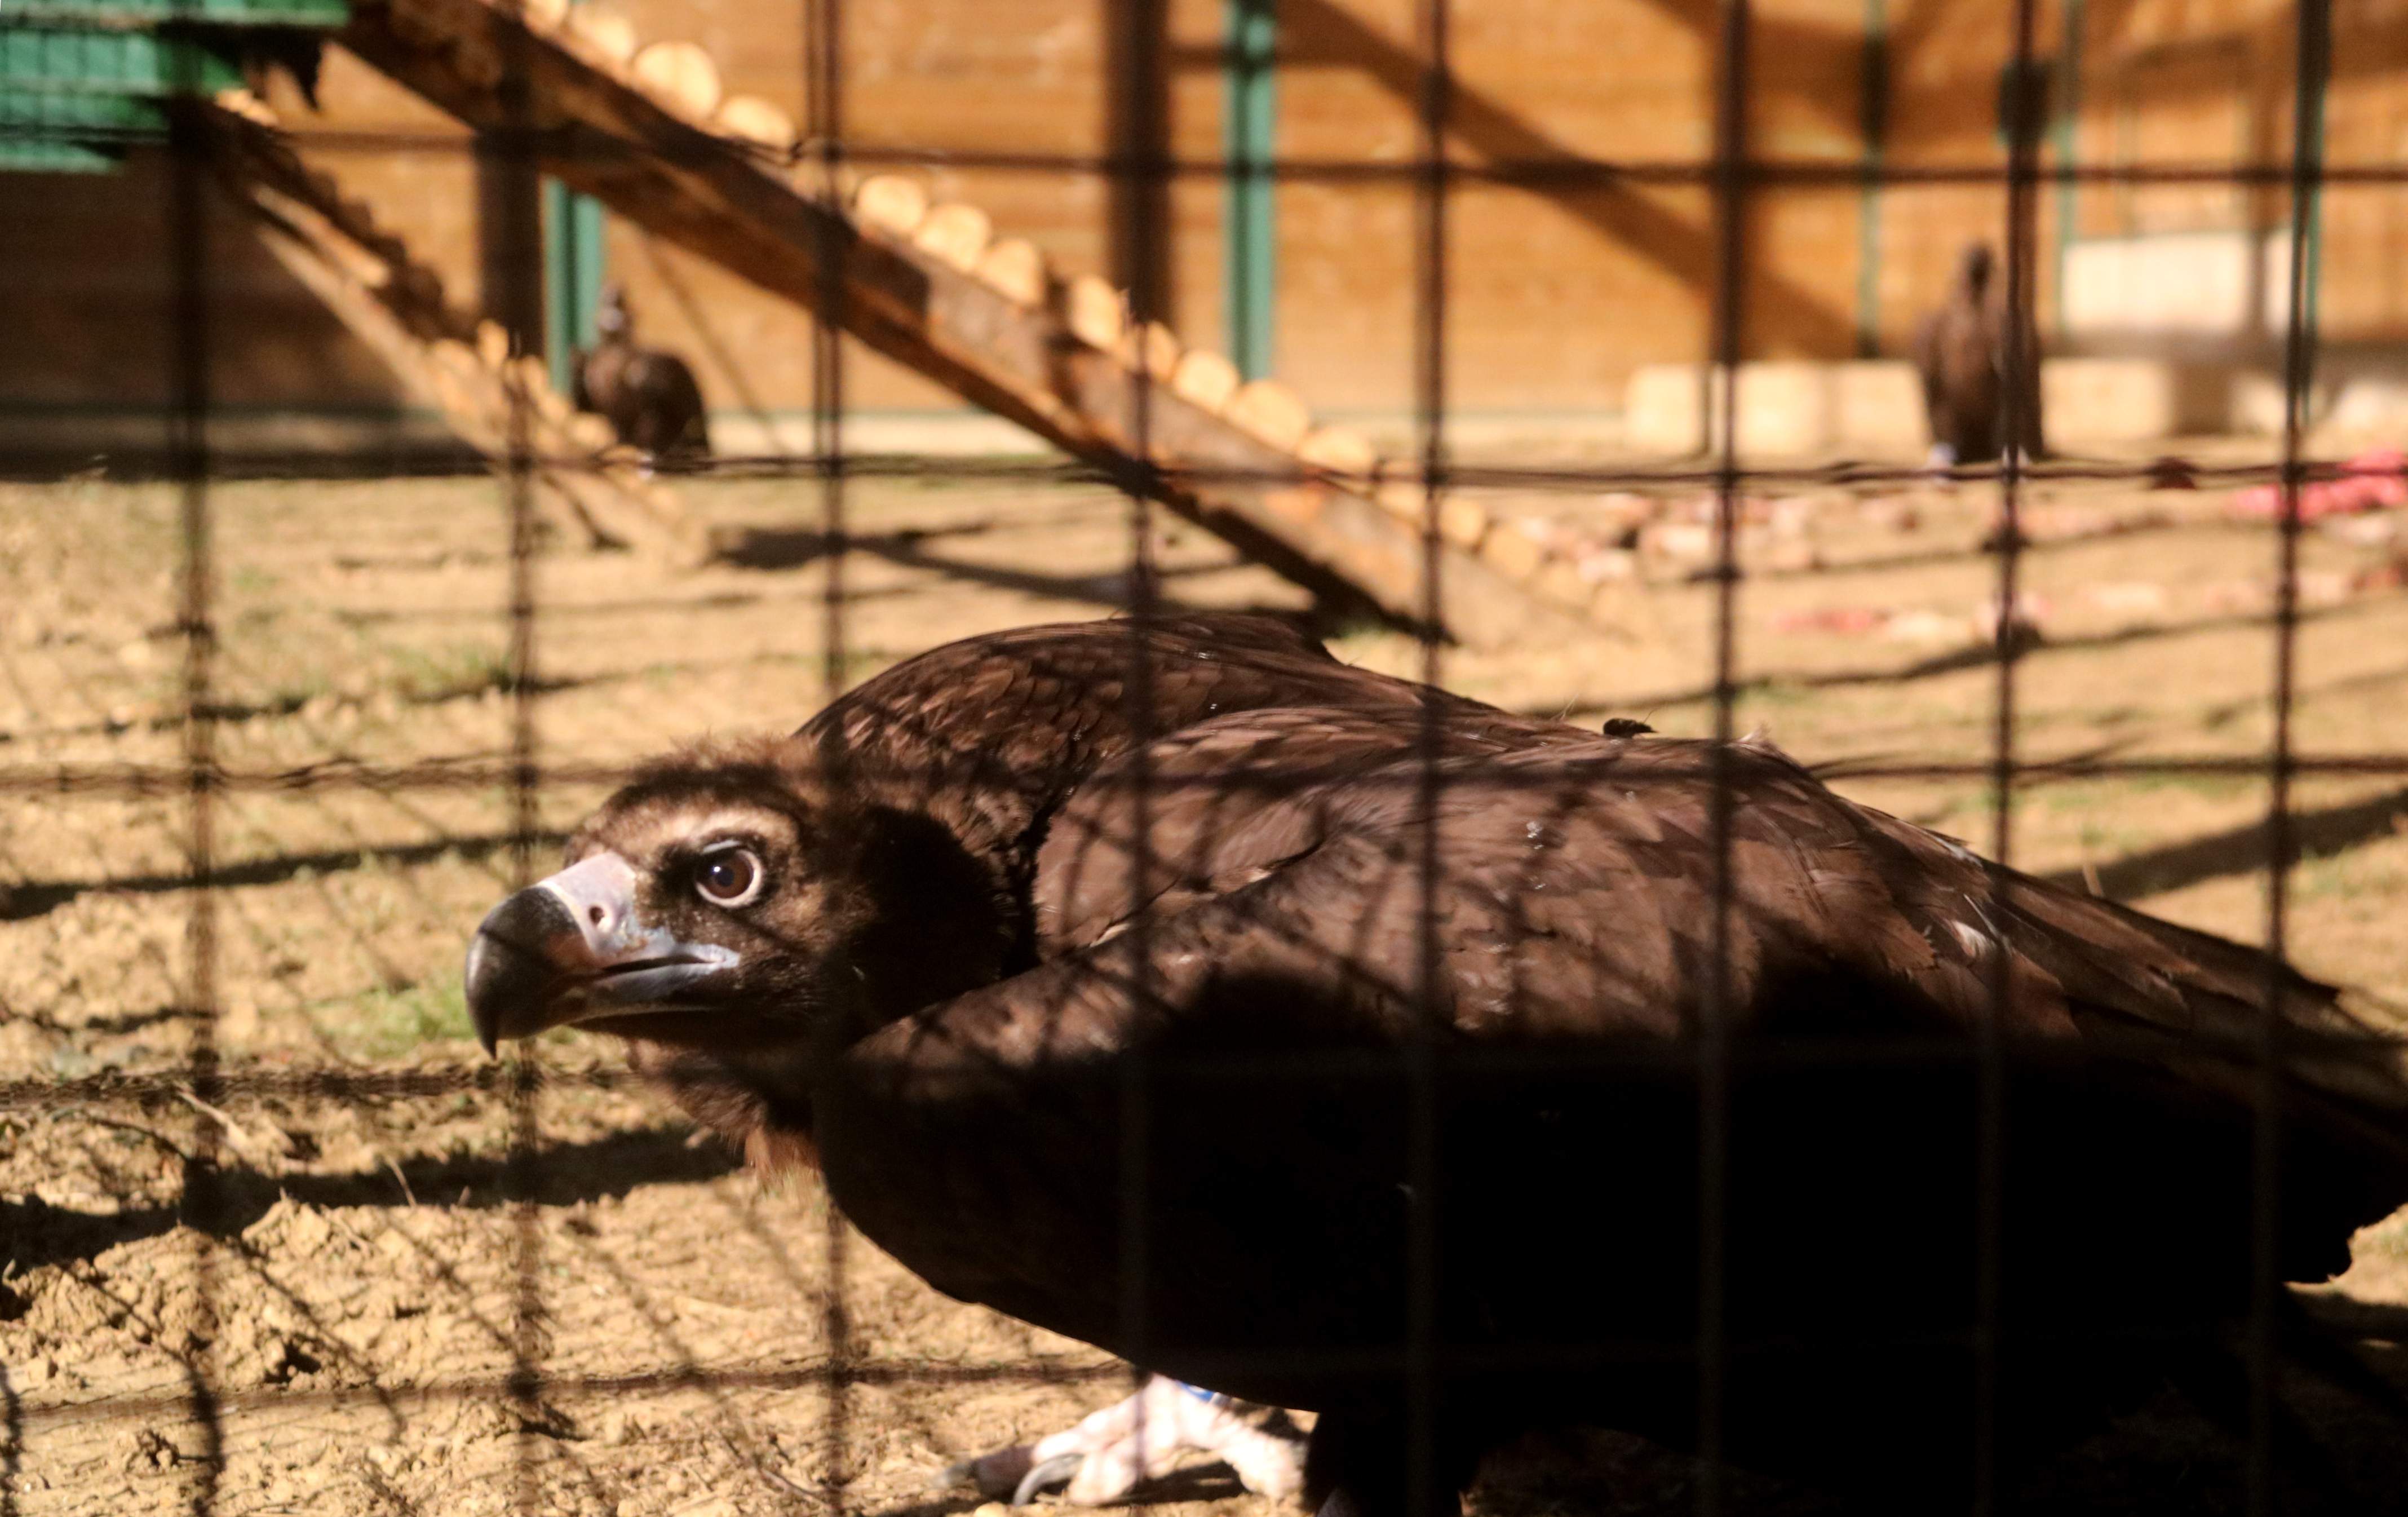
column 327, row 1321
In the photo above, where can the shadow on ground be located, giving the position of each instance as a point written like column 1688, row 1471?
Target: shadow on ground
column 230, row 1199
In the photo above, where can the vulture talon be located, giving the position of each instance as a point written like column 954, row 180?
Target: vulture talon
column 1142, row 1437
column 1057, row 1470
column 993, row 1476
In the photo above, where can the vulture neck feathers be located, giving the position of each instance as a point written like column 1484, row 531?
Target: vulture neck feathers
column 988, row 738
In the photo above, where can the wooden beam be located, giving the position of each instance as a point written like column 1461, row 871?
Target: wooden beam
column 594, row 125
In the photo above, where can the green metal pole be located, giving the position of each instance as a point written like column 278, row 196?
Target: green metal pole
column 1251, row 125
column 1875, row 119
column 2067, row 132
column 572, row 248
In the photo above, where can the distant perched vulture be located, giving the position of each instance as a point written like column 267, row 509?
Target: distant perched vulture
column 1961, row 352
column 1411, row 1055
column 649, row 396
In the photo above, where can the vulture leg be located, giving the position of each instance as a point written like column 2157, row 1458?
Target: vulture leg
column 1142, row 1437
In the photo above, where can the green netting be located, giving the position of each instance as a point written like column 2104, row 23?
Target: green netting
column 56, row 113
column 143, row 13
column 46, row 58
column 46, row 156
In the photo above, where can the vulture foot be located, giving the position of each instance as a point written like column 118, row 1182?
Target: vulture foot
column 1146, row 1436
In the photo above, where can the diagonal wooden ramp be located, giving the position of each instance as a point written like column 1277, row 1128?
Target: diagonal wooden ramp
column 644, row 130
column 500, row 404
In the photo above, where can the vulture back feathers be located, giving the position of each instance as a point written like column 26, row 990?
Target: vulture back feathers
column 1342, row 1032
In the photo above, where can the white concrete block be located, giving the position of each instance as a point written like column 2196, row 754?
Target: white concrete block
column 1874, row 409
column 2085, row 401
column 2368, row 405
column 1785, row 409
column 1877, row 409
column 2192, row 284
column 1664, row 408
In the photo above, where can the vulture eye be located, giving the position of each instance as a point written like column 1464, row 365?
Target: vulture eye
column 729, row 878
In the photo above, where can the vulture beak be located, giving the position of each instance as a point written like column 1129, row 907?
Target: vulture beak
column 572, row 948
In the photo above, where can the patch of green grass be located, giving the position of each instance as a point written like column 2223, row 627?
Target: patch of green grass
column 859, row 664
column 1351, row 622
column 1978, row 804
column 393, row 1024
column 294, row 691
column 2342, row 874
column 2077, row 796
column 2066, row 800
column 434, row 674
column 1780, row 694
column 2215, row 786
column 2099, row 842
column 1358, row 637
column 2388, row 1236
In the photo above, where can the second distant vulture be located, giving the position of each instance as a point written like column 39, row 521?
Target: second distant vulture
column 649, row 396
column 1960, row 351
column 1411, row 1062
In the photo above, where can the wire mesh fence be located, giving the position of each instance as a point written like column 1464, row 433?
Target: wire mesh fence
column 272, row 1254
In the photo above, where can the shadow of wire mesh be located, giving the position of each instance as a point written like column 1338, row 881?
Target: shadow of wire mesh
column 278, row 1239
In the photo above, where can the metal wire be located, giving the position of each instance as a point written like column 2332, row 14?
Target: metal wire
column 1561, row 171
column 189, row 450
column 823, row 43
column 1730, row 185
column 1137, row 122
column 2312, row 60
column 521, row 247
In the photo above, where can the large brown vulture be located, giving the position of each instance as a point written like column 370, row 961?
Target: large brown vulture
column 1960, row 351
column 1356, row 1047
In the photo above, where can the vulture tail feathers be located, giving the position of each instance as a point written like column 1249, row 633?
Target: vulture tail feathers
column 2200, row 999
column 2343, row 1061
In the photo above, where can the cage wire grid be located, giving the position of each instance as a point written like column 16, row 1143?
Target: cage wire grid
column 1731, row 175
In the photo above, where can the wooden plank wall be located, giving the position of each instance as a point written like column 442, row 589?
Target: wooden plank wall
column 2192, row 82
column 2364, row 298
column 1554, row 294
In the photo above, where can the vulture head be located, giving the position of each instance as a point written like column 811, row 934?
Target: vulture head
column 729, row 899
column 612, row 321
column 1973, row 267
